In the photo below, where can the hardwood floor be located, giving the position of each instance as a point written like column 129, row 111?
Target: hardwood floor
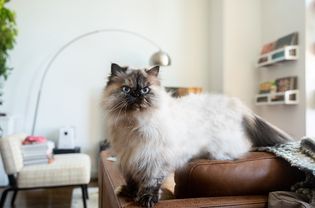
column 43, row 198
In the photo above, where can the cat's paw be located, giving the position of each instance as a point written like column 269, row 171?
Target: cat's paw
column 148, row 200
column 125, row 191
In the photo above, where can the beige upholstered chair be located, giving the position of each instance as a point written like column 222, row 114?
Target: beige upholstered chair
column 66, row 170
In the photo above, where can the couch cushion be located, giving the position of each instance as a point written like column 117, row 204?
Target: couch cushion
column 66, row 169
column 254, row 173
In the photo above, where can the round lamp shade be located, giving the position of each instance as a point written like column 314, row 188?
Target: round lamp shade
column 160, row 58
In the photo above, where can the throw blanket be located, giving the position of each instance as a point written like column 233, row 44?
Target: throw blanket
column 300, row 154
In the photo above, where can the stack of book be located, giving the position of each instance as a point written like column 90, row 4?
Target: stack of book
column 37, row 153
column 288, row 40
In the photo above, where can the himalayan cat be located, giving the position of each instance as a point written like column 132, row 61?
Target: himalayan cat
column 153, row 133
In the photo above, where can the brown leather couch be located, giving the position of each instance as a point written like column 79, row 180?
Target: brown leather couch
column 245, row 182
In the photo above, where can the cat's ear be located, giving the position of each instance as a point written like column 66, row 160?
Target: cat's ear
column 154, row 71
column 116, row 69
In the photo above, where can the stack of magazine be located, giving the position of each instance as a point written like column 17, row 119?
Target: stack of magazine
column 37, row 153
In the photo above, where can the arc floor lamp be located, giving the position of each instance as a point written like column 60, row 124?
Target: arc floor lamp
column 160, row 58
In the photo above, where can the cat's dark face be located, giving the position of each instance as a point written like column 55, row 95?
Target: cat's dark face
column 130, row 90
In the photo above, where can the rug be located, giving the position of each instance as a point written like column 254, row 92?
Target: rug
column 92, row 202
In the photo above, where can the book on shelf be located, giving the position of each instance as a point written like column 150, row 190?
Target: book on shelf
column 287, row 40
column 286, row 83
column 267, row 48
column 274, row 87
column 279, row 85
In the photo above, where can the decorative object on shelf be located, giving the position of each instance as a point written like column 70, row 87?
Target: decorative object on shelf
column 160, row 58
column 8, row 32
column 283, row 49
column 266, row 87
column 182, row 91
column 279, row 91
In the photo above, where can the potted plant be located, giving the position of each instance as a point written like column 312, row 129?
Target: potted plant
column 8, row 32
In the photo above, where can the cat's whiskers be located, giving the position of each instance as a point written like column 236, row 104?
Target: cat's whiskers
column 125, row 110
column 115, row 107
column 147, row 102
column 123, row 105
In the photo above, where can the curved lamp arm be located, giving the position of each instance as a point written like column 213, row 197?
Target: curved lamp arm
column 159, row 58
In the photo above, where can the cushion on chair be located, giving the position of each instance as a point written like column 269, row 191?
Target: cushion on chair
column 10, row 148
column 255, row 173
column 66, row 169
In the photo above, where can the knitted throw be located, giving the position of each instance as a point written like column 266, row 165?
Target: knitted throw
column 300, row 154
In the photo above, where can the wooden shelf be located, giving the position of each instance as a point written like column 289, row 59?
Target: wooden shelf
column 287, row 53
column 290, row 97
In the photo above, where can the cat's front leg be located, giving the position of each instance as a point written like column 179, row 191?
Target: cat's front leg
column 148, row 194
column 130, row 189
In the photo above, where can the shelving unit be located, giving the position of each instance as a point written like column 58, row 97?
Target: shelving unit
column 290, row 97
column 287, row 53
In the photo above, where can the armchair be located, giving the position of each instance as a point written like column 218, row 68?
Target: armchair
column 65, row 170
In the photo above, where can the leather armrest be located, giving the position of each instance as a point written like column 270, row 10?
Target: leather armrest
column 255, row 173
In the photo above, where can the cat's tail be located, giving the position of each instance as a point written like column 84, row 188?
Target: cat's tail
column 262, row 133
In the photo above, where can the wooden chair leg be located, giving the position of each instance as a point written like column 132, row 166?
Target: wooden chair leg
column 14, row 197
column 83, row 196
column 86, row 191
column 4, row 196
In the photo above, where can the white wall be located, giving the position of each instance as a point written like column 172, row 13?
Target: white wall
column 216, row 46
column 309, row 67
column 235, row 42
column 74, row 83
column 242, row 40
column 276, row 22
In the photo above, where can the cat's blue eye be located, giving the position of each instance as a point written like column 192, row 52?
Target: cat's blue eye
column 145, row 90
column 125, row 89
